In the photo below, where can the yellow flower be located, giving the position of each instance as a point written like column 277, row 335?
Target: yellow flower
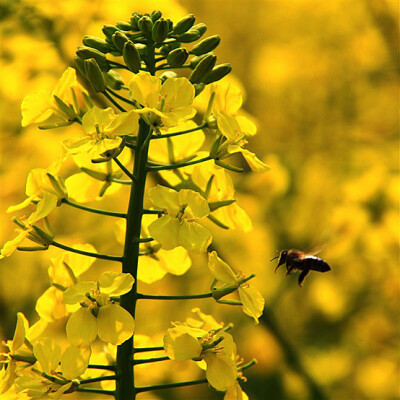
column 103, row 130
column 63, row 272
column 41, row 388
column 28, row 230
column 21, row 347
column 99, row 316
column 235, row 392
column 74, row 361
column 178, row 226
column 41, row 107
column 163, row 104
column 45, row 188
column 214, row 347
column 227, row 102
column 227, row 282
column 156, row 262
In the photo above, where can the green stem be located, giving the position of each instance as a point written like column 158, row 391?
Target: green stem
column 98, row 379
column 118, row 96
column 125, row 388
column 99, row 391
column 105, row 367
column 167, row 135
column 123, row 168
column 94, row 210
column 145, row 211
column 144, row 349
column 169, row 385
column 175, row 166
column 150, row 360
column 121, row 181
column 87, row 253
column 157, row 297
column 120, row 108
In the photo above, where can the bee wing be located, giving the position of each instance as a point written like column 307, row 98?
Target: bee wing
column 314, row 250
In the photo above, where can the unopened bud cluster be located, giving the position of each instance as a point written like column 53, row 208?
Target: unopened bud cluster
column 131, row 41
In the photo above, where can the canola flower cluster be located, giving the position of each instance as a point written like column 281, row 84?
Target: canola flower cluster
column 197, row 187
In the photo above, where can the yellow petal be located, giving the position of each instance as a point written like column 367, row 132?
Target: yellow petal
column 116, row 283
column 235, row 393
column 254, row 162
column 50, row 305
column 20, row 206
column 48, row 353
column 165, row 198
column 229, row 126
column 175, row 261
column 181, row 345
column 221, row 371
column 81, row 327
column 253, row 302
column 178, row 92
column 36, row 107
column 247, row 126
column 115, row 324
column 76, row 293
column 176, row 115
column 97, row 117
column 165, row 230
column 145, row 89
column 150, row 270
column 10, row 246
column 126, row 123
column 20, row 332
column 193, row 237
column 45, row 206
column 220, row 269
column 197, row 203
column 228, row 97
column 75, row 361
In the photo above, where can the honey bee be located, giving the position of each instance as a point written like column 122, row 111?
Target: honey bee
column 299, row 260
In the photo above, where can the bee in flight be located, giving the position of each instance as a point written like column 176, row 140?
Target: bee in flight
column 299, row 260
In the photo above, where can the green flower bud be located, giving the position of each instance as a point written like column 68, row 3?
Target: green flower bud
column 170, row 25
column 206, row 45
column 201, row 28
column 195, row 60
column 40, row 236
column 145, row 24
column 155, row 15
column 218, row 73
column 169, row 47
column 198, row 88
column 184, row 24
column 109, row 30
column 124, row 26
column 113, row 79
column 177, row 57
column 86, row 52
column 160, row 30
column 94, row 75
column 79, row 65
column 119, row 39
column 131, row 57
column 134, row 21
column 190, row 36
column 97, row 43
column 58, row 186
column 203, row 68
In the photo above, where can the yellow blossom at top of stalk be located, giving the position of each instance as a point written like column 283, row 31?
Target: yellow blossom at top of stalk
column 178, row 226
column 40, row 106
column 251, row 298
column 99, row 315
column 103, row 130
column 164, row 104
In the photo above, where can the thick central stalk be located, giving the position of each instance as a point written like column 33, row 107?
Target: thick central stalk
column 125, row 388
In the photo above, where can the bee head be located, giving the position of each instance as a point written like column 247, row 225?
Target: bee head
column 282, row 258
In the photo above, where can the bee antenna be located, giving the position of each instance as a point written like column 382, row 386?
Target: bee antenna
column 274, row 258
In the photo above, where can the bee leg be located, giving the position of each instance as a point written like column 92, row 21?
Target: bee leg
column 302, row 276
column 288, row 270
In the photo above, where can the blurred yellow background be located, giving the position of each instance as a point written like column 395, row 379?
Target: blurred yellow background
column 321, row 80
